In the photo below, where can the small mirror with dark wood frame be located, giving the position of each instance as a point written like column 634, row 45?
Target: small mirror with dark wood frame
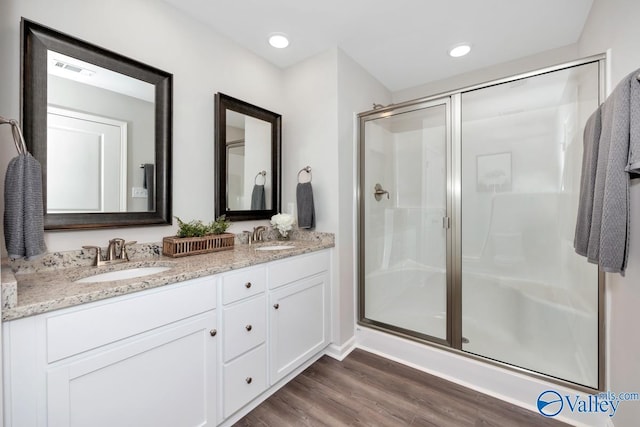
column 247, row 159
column 100, row 125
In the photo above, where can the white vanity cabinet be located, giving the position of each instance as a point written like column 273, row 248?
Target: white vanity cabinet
column 298, row 311
column 144, row 359
column 244, row 335
column 202, row 352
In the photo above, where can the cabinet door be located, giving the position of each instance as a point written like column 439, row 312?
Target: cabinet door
column 299, row 326
column 167, row 378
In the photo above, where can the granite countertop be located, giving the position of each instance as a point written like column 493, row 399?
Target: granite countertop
column 35, row 287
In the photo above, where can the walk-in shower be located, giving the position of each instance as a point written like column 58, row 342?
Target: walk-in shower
column 467, row 209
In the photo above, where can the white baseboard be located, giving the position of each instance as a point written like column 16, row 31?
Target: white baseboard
column 340, row 352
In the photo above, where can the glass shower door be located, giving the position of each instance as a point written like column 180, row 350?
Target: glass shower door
column 527, row 299
column 404, row 179
column 467, row 210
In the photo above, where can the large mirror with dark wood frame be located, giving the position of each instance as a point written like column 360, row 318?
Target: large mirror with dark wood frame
column 100, row 124
column 247, row 147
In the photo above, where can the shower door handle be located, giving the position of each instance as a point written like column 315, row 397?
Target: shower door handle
column 446, row 222
column 379, row 191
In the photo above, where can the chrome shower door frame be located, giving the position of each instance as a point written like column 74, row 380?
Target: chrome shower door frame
column 382, row 113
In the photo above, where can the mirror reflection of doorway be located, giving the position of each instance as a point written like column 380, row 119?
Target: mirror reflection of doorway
column 235, row 170
column 248, row 152
column 88, row 155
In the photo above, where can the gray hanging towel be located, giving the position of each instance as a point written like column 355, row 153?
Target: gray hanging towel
column 306, row 209
column 591, row 139
column 258, row 198
column 148, row 183
column 23, row 208
column 618, row 159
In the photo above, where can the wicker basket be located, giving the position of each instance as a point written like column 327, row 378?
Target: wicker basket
column 183, row 246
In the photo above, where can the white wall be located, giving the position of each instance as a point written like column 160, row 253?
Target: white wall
column 357, row 91
column 322, row 95
column 613, row 24
column 310, row 129
column 309, row 138
column 506, row 69
column 202, row 63
column 6, row 68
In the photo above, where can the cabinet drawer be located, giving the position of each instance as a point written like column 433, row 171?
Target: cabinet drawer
column 98, row 324
column 243, row 284
column 296, row 268
column 244, row 379
column 244, row 326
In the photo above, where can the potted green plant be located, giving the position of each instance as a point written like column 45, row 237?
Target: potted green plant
column 195, row 237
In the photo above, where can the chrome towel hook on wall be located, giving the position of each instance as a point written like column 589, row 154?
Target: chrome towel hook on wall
column 18, row 139
column 264, row 177
column 306, row 169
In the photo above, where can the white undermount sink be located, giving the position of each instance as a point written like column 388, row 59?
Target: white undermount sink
column 129, row 273
column 275, row 247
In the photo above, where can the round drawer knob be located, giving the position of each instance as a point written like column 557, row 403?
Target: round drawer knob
column 213, row 332
column 276, row 306
column 249, row 327
column 247, row 285
column 249, row 380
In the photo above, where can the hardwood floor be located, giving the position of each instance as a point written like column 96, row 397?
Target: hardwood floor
column 368, row 390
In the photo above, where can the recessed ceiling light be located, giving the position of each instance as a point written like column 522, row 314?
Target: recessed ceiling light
column 459, row 50
column 278, row 40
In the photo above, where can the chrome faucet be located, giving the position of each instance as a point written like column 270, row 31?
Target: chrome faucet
column 257, row 235
column 116, row 252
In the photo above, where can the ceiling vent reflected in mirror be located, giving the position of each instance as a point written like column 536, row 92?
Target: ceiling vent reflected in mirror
column 74, row 69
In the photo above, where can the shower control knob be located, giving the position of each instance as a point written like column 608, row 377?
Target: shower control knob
column 247, row 285
column 379, row 192
column 248, row 327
